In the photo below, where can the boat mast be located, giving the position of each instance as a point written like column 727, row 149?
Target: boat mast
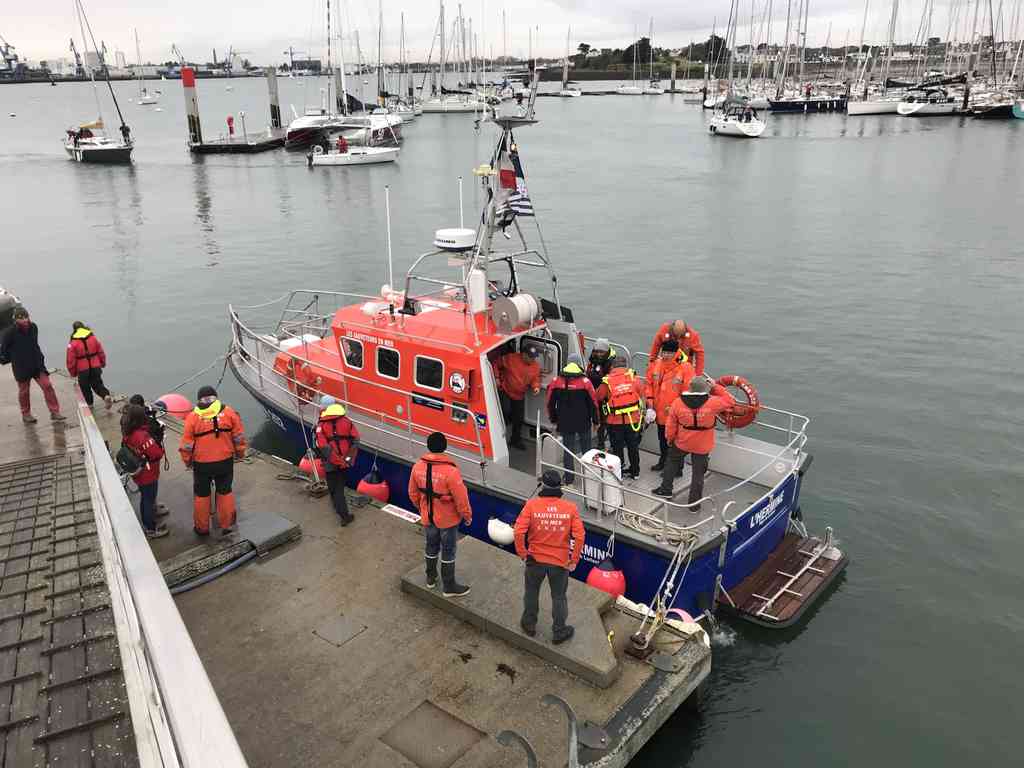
column 381, row 87
column 781, row 85
column 80, row 12
column 342, row 85
column 888, row 49
column 330, row 74
column 138, row 58
column 992, row 31
column 635, row 41
column 860, row 47
column 565, row 62
column 441, row 94
column 650, row 46
column 124, row 128
column 803, row 38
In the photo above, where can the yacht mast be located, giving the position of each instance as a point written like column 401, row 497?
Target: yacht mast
column 330, row 73
column 889, row 46
column 781, row 85
column 340, row 77
column 80, row 12
column 138, row 58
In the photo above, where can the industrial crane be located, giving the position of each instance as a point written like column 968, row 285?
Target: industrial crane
column 10, row 57
column 79, row 72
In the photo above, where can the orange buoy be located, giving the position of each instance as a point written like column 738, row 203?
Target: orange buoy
column 607, row 577
column 742, row 414
column 306, row 465
column 374, row 486
column 175, row 404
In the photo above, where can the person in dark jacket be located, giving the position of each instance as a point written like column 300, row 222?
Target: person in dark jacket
column 86, row 360
column 136, row 437
column 20, row 347
column 572, row 408
column 600, row 365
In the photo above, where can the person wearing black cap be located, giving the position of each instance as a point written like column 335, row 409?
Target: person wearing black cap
column 437, row 490
column 19, row 346
column 549, row 537
column 213, row 438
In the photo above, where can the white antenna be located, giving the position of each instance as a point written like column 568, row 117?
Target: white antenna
column 387, row 219
column 462, row 223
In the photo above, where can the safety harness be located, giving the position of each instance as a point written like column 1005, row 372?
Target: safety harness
column 87, row 355
column 623, row 400
column 429, row 490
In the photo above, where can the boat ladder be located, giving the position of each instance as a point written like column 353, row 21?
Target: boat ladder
column 813, row 556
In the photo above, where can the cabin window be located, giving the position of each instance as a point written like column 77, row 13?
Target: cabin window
column 429, row 373
column 353, row 352
column 387, row 362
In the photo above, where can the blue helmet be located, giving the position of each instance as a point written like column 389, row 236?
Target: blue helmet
column 327, row 400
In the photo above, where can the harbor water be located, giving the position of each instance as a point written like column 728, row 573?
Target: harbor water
column 867, row 272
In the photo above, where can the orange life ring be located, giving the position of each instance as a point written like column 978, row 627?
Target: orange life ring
column 742, row 414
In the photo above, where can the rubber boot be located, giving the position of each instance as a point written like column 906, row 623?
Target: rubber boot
column 451, row 588
column 201, row 515
column 226, row 512
column 431, row 570
column 565, row 633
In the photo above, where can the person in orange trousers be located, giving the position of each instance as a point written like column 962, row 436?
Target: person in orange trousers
column 437, row 490
column 690, row 429
column 214, row 437
column 667, row 376
column 549, row 537
column 688, row 339
column 520, row 371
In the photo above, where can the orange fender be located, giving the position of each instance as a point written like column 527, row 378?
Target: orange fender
column 742, row 414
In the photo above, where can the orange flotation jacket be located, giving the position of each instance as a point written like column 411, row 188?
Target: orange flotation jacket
column 437, row 490
column 214, row 433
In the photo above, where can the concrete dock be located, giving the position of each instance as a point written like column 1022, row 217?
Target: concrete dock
column 329, row 651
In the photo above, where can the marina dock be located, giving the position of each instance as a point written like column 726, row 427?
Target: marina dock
column 328, row 650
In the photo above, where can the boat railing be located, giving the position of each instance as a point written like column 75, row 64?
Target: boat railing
column 658, row 523
column 627, row 355
column 306, row 394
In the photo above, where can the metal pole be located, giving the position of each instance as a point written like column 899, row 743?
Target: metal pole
column 462, row 223
column 387, row 218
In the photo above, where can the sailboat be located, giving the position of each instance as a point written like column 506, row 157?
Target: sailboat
column 735, row 116
column 633, row 89
column 145, row 97
column 653, row 87
column 444, row 102
column 567, row 91
column 88, row 143
column 882, row 103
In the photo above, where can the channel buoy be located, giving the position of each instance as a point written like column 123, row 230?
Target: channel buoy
column 175, row 404
column 500, row 532
column 607, row 577
column 374, row 486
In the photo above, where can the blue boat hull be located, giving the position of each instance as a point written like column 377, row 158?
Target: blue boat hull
column 803, row 106
column 755, row 534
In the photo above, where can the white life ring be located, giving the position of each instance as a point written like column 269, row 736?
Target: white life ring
column 318, row 150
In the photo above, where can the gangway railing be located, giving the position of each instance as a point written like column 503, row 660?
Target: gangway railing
column 176, row 715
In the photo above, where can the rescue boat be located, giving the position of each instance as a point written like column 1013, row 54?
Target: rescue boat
column 420, row 357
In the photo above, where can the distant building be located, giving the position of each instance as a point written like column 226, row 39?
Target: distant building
column 307, row 65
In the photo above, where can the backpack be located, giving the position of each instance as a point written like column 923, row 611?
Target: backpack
column 156, row 429
column 128, row 461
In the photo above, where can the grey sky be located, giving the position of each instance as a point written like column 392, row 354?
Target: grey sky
column 41, row 29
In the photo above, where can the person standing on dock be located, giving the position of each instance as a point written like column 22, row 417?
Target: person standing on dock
column 137, row 438
column 86, row 360
column 667, row 376
column 520, row 371
column 213, row 438
column 688, row 339
column 572, row 408
column 437, row 490
column 19, row 346
column 337, row 439
column 621, row 397
column 544, row 531
column 690, row 429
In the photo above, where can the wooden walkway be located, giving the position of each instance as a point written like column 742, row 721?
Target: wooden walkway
column 62, row 697
column 773, row 579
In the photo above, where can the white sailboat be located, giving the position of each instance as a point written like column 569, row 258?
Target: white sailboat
column 734, row 116
column 881, row 103
column 446, row 103
column 567, row 91
column 88, row 143
column 633, row 89
column 926, row 102
column 653, row 87
column 145, row 97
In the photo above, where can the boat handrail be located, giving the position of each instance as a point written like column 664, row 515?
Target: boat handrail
column 614, row 345
column 239, row 332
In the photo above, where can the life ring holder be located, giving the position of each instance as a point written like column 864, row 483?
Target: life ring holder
column 742, row 414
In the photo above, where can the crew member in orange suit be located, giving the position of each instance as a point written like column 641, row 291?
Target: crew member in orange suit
column 86, row 360
column 690, row 429
column 214, row 437
column 621, row 395
column 549, row 537
column 688, row 339
column 667, row 376
column 520, row 371
column 437, row 490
